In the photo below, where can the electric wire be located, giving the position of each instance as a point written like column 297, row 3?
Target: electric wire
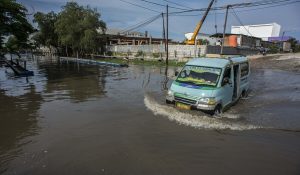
column 137, row 5
column 162, row 5
column 141, row 24
column 181, row 5
column 242, row 5
column 241, row 23
column 253, row 9
column 265, row 3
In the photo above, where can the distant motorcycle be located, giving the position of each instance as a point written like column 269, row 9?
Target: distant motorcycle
column 263, row 51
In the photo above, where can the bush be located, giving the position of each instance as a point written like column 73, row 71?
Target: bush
column 273, row 49
column 109, row 53
column 297, row 48
column 128, row 52
column 139, row 53
column 156, row 55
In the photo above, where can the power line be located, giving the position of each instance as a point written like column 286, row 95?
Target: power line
column 215, row 9
column 141, row 24
column 181, row 5
column 253, row 4
column 140, row 6
column 269, row 6
column 244, row 5
column 154, row 18
column 241, row 23
column 162, row 5
column 261, row 3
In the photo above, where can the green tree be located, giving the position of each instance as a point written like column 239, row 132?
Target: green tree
column 46, row 35
column 273, row 48
column 77, row 27
column 13, row 22
column 294, row 44
column 203, row 41
column 12, row 45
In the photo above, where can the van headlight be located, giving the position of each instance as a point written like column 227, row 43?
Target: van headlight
column 209, row 101
column 170, row 95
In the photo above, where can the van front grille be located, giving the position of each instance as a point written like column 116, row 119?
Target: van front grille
column 185, row 100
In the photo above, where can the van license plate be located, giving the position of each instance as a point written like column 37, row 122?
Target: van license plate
column 182, row 106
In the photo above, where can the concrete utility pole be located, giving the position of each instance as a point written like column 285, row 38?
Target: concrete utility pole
column 224, row 29
column 164, row 32
column 167, row 48
column 225, row 23
column 195, row 47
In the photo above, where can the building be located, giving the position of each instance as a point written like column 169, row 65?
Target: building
column 263, row 31
column 117, row 37
column 239, row 40
column 282, row 42
column 279, row 39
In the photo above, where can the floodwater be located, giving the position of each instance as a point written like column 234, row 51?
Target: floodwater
column 80, row 119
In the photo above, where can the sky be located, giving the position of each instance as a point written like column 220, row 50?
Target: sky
column 120, row 15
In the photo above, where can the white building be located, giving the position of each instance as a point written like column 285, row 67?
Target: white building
column 263, row 31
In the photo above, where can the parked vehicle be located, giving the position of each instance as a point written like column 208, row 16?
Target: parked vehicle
column 210, row 84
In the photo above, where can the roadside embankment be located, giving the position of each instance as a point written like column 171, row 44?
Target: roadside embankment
column 287, row 62
column 124, row 61
column 152, row 62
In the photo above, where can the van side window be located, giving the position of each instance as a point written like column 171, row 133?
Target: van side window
column 227, row 72
column 244, row 69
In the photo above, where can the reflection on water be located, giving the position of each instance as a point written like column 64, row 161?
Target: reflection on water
column 63, row 81
column 80, row 119
column 22, row 97
column 18, row 120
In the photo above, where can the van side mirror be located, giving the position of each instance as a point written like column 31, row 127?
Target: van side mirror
column 226, row 81
column 176, row 73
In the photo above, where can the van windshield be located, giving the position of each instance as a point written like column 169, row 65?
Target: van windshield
column 197, row 75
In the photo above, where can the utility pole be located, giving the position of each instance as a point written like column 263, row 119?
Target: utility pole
column 195, row 47
column 281, row 42
column 167, row 48
column 164, row 32
column 225, row 23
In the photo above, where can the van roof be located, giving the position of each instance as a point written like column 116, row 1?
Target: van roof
column 215, row 62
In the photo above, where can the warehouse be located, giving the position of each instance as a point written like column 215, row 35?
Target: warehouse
column 263, row 31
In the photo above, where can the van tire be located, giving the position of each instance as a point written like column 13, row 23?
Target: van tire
column 217, row 111
column 244, row 94
column 168, row 102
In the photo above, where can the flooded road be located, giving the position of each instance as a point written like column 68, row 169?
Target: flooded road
column 80, row 119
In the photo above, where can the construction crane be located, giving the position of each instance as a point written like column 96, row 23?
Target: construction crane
column 191, row 37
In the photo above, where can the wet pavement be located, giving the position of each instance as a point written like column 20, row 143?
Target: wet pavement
column 80, row 119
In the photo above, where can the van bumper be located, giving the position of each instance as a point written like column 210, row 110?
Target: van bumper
column 206, row 107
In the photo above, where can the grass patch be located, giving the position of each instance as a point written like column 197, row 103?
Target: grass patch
column 142, row 62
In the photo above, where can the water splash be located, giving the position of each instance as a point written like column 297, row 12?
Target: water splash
column 196, row 121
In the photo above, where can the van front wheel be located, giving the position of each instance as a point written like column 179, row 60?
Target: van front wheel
column 168, row 101
column 217, row 111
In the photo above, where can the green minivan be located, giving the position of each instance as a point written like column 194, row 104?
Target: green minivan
column 210, row 84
